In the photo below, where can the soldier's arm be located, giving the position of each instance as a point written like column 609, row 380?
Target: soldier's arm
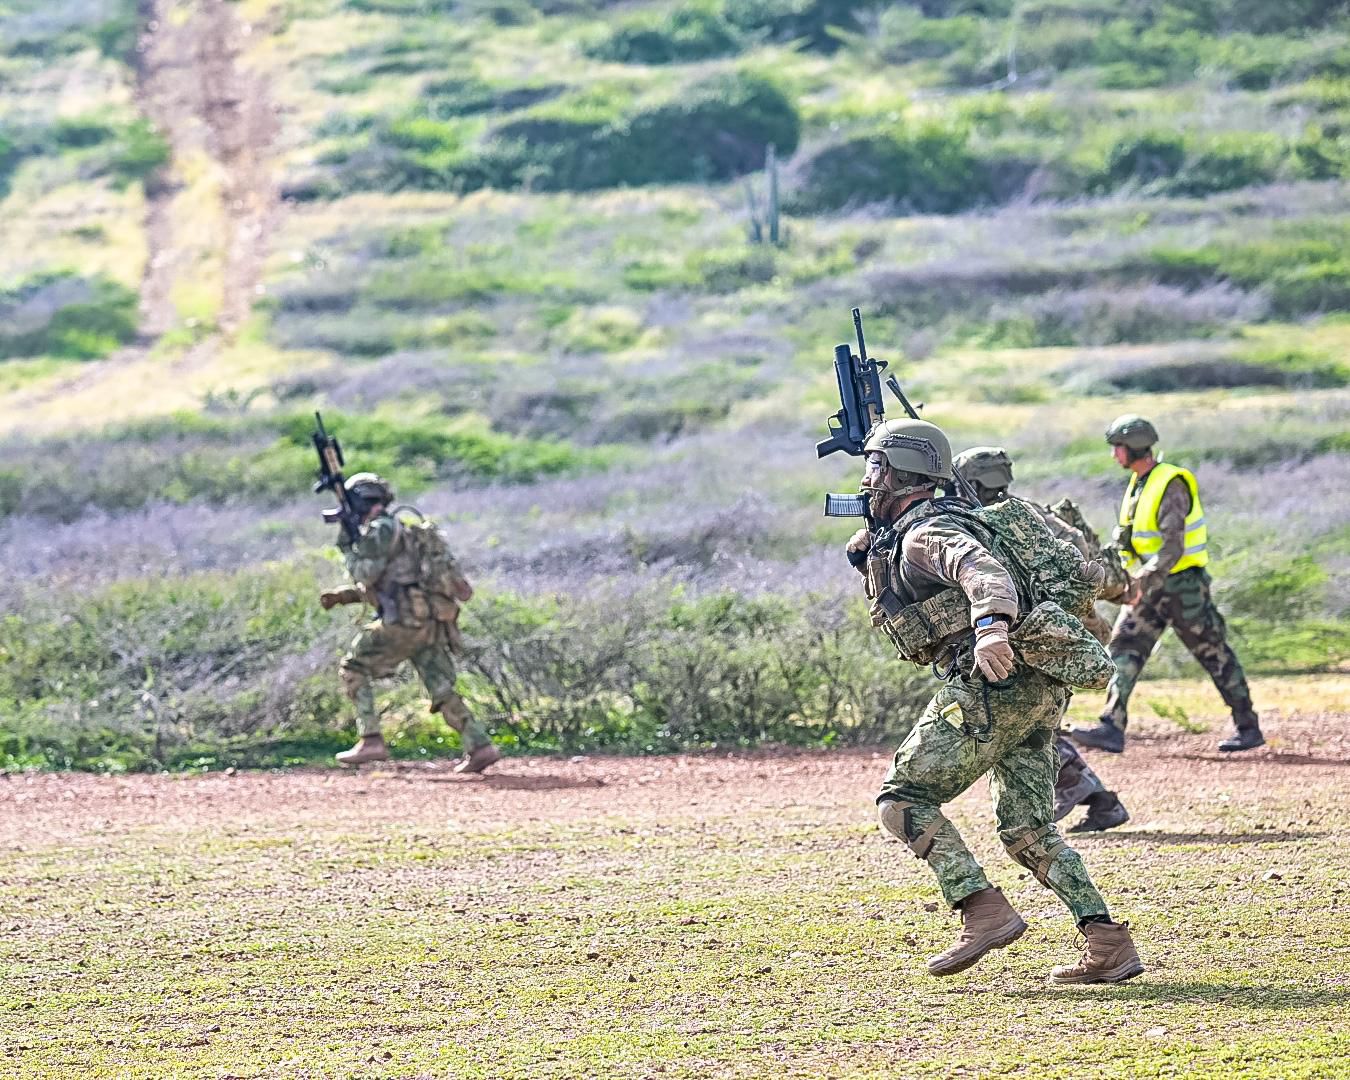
column 1172, row 511
column 952, row 555
column 1062, row 530
column 369, row 556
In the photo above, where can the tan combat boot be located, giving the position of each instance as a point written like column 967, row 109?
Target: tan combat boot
column 988, row 922
column 1108, row 956
column 367, row 748
column 479, row 759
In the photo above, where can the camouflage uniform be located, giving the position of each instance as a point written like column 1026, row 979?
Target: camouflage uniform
column 972, row 726
column 989, row 471
column 410, row 626
column 1060, row 529
column 1183, row 602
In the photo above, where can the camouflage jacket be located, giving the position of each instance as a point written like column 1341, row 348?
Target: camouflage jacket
column 383, row 568
column 1059, row 528
column 940, row 550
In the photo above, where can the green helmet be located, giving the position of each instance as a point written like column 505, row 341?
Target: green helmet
column 367, row 489
column 988, row 466
column 1132, row 431
column 914, row 446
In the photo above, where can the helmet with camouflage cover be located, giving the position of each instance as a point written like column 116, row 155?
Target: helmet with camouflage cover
column 368, row 489
column 912, row 446
column 1131, row 431
column 985, row 466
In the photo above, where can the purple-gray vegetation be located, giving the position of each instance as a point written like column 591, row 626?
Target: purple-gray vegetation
column 160, row 540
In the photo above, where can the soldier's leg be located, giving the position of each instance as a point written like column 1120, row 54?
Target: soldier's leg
column 375, row 653
column 435, row 664
column 1201, row 628
column 1021, row 784
column 1076, row 782
column 1137, row 630
column 934, row 764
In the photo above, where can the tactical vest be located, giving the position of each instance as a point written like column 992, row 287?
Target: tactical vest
column 1140, row 516
column 1043, row 569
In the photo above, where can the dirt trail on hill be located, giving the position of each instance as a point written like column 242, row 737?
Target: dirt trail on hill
column 212, row 209
column 193, row 84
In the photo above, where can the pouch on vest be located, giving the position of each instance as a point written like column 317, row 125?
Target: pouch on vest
column 1056, row 644
column 921, row 631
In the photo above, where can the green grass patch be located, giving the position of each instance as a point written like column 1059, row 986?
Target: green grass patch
column 61, row 314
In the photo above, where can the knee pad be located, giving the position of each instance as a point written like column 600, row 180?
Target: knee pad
column 1034, row 848
column 897, row 819
column 352, row 681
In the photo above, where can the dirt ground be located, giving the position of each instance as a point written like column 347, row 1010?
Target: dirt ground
column 728, row 914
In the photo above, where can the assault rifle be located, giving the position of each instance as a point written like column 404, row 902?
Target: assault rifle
column 862, row 408
column 331, row 479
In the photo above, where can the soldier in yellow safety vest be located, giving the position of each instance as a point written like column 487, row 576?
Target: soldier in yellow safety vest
column 1164, row 546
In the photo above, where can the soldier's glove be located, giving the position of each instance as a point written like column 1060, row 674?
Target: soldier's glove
column 993, row 651
column 333, row 598
column 859, row 544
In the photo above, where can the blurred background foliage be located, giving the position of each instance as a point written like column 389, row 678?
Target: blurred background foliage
column 512, row 264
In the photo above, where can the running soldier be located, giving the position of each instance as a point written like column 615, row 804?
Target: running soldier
column 967, row 589
column 1163, row 543
column 408, row 575
column 988, row 470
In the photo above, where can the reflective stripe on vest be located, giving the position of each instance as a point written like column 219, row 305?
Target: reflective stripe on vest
column 1147, row 538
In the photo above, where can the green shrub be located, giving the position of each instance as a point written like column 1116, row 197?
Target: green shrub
column 691, row 31
column 127, row 152
column 1305, row 269
column 726, row 270
column 80, row 132
column 1226, row 162
column 926, row 169
column 61, row 314
column 713, row 130
column 239, row 668
column 815, row 23
column 1143, row 159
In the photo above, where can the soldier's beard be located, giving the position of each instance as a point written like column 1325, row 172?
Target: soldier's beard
column 887, row 504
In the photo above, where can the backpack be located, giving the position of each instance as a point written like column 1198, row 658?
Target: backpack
column 438, row 571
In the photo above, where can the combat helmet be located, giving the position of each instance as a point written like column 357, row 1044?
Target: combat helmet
column 1131, row 431
column 913, row 446
column 365, row 489
column 986, row 466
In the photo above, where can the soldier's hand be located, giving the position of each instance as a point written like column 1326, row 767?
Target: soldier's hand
column 993, row 651
column 1134, row 592
column 859, row 541
column 329, row 600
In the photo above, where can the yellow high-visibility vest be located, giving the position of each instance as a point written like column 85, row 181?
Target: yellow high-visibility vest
column 1147, row 538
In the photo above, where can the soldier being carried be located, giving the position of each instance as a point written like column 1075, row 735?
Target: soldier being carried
column 988, row 471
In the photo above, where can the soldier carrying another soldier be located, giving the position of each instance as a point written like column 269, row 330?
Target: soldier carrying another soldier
column 408, row 574
column 1163, row 543
column 988, row 470
column 990, row 596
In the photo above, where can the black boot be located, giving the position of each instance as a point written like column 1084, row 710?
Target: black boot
column 1247, row 738
column 1102, row 737
column 1105, row 811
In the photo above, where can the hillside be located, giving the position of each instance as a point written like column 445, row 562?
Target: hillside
column 506, row 248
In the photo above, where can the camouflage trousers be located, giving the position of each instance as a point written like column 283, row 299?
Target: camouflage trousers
column 1184, row 603
column 376, row 653
column 1007, row 730
column 1073, row 769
